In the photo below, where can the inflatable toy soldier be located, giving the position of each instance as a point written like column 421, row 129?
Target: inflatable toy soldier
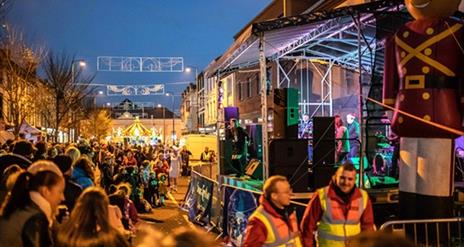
column 424, row 66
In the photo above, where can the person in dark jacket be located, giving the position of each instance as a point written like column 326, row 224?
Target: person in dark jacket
column 239, row 139
column 21, row 155
column 72, row 190
column 28, row 215
column 41, row 151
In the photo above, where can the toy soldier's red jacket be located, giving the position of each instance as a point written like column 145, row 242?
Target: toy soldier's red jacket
column 424, row 68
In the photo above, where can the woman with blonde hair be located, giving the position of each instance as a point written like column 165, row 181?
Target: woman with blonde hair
column 74, row 153
column 89, row 223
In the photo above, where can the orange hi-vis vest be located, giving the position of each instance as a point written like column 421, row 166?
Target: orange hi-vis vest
column 278, row 232
column 335, row 228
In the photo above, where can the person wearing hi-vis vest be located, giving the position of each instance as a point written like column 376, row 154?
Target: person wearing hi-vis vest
column 274, row 222
column 337, row 212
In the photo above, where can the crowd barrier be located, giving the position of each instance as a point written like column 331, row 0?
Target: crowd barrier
column 222, row 207
column 429, row 232
column 207, row 169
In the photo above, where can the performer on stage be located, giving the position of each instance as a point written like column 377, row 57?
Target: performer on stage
column 353, row 133
column 239, row 138
column 305, row 128
column 343, row 144
column 423, row 76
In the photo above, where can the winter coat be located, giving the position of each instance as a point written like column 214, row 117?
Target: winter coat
column 81, row 178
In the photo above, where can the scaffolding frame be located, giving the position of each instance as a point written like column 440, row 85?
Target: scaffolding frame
column 343, row 37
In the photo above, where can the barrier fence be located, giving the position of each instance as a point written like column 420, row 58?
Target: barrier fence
column 429, row 232
column 223, row 207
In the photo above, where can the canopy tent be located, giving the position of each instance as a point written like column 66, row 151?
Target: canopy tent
column 26, row 128
column 137, row 129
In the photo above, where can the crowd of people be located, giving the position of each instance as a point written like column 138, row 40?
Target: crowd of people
column 90, row 194
column 85, row 194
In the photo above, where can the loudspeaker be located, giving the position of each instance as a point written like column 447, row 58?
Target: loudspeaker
column 225, row 157
column 289, row 158
column 230, row 112
column 321, row 176
column 255, row 147
column 285, row 121
column 254, row 169
column 324, row 141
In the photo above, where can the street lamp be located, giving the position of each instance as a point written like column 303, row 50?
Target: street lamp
column 164, row 123
column 189, row 70
column 173, row 131
column 81, row 63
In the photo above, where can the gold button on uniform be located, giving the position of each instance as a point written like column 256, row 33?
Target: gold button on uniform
column 400, row 119
column 427, row 117
column 425, row 69
column 429, row 31
column 405, row 34
column 403, row 54
column 401, row 97
column 428, row 51
column 426, row 96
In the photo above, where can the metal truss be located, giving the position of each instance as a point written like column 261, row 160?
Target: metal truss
column 126, row 90
column 305, row 101
column 140, row 64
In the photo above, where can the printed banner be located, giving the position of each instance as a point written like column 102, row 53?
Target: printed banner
column 238, row 206
column 198, row 199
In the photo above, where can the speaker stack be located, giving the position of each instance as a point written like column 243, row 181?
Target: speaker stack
column 323, row 165
column 289, row 158
column 225, row 146
column 323, row 141
column 285, row 117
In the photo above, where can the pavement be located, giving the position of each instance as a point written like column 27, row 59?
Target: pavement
column 170, row 217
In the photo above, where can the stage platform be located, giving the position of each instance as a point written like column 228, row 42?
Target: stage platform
column 387, row 194
column 244, row 182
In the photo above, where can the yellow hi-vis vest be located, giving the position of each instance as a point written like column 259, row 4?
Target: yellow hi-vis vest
column 278, row 232
column 334, row 229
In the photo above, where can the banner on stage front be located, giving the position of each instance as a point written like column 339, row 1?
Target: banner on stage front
column 238, row 206
column 198, row 199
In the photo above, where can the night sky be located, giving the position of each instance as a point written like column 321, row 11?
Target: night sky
column 198, row 30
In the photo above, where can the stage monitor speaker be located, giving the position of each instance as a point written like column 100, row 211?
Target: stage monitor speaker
column 230, row 112
column 285, row 121
column 254, row 169
column 289, row 158
column 324, row 141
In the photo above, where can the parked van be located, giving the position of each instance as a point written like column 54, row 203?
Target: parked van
column 196, row 144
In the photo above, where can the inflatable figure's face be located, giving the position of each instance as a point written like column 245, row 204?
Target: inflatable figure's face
column 427, row 9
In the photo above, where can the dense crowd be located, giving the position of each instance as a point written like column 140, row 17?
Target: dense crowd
column 85, row 194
